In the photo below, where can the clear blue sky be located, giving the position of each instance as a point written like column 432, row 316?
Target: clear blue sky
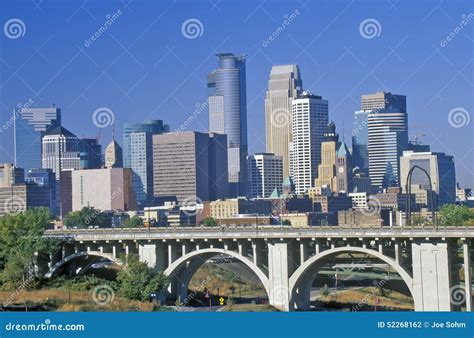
column 144, row 67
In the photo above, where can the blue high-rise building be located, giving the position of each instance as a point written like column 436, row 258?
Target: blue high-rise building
column 46, row 178
column 138, row 155
column 360, row 142
column 387, row 137
column 90, row 152
column 228, row 115
column 30, row 126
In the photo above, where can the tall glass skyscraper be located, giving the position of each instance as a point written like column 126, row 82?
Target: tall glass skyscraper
column 138, row 155
column 228, row 115
column 30, row 126
column 284, row 85
column 360, row 141
column 387, row 135
column 90, row 153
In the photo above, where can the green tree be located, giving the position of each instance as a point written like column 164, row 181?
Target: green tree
column 87, row 216
column 22, row 243
column 455, row 215
column 138, row 281
column 133, row 222
column 209, row 222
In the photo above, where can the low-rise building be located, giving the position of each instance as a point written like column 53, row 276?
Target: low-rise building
column 332, row 204
column 228, row 208
column 359, row 200
column 114, row 193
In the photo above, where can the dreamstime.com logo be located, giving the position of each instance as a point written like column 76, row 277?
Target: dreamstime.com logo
column 373, row 206
column 46, row 326
column 280, row 118
column 103, row 295
column 14, row 205
column 458, row 295
column 14, row 28
column 103, row 117
column 459, row 117
column 287, row 19
column 192, row 28
column 370, row 28
column 281, row 294
column 109, row 20
column 189, row 206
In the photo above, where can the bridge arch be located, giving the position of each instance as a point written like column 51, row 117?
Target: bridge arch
column 301, row 280
column 73, row 256
column 182, row 270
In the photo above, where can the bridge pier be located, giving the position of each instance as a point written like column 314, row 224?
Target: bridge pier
column 467, row 274
column 278, row 271
column 431, row 276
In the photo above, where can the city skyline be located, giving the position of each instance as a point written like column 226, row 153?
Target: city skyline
column 321, row 70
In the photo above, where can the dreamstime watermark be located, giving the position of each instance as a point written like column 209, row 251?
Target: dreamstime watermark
column 287, row 19
column 465, row 20
column 46, row 326
column 189, row 206
column 459, row 117
column 14, row 28
column 116, row 193
column 9, row 301
column 370, row 28
column 198, row 109
column 280, row 294
column 16, row 114
column 373, row 206
column 103, row 117
column 110, row 19
column 14, row 205
column 103, row 295
column 458, row 295
column 192, row 28
column 280, row 118
column 192, row 295
column 365, row 301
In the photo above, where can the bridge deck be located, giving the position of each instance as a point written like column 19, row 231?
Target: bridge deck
column 270, row 232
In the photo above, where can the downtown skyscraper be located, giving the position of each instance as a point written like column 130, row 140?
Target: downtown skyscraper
column 228, row 115
column 30, row 126
column 138, row 155
column 284, row 85
column 309, row 123
column 387, row 136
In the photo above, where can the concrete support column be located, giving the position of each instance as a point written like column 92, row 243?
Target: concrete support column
column 172, row 253
column 161, row 253
column 184, row 249
column 114, row 251
column 398, row 251
column 467, row 274
column 147, row 254
column 431, row 280
column 317, row 247
column 278, row 276
column 303, row 252
column 240, row 248
column 257, row 252
column 380, row 245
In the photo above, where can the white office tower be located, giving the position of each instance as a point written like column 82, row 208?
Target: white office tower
column 265, row 174
column 309, row 122
column 284, row 85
